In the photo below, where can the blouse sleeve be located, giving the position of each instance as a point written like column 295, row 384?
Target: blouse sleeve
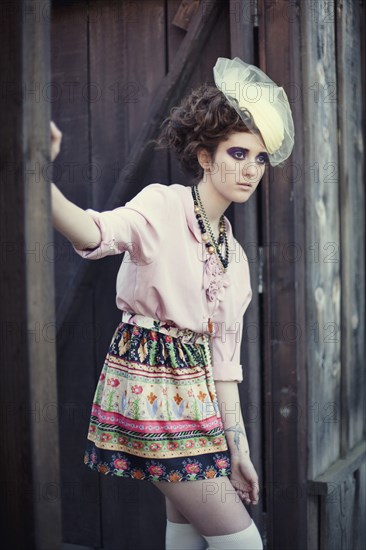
column 137, row 227
column 226, row 344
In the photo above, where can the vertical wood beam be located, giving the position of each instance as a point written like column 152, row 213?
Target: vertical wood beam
column 242, row 45
column 29, row 473
column 352, row 224
column 284, row 334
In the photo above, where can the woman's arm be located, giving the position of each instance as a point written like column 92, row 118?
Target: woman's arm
column 232, row 418
column 73, row 222
column 243, row 476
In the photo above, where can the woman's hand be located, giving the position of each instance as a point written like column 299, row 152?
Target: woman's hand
column 244, row 479
column 56, row 137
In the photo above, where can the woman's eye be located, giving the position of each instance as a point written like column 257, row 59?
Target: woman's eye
column 263, row 159
column 239, row 155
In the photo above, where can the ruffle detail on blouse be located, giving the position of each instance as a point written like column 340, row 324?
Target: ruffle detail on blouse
column 214, row 279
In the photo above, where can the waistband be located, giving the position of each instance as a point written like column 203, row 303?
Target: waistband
column 166, row 327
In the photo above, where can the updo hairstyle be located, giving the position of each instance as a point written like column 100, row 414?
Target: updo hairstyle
column 203, row 119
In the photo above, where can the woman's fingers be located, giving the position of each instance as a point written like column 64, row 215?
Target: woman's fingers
column 56, row 138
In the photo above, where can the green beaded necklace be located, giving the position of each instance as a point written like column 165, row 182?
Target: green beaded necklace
column 213, row 245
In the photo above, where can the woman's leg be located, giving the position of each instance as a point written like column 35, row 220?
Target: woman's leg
column 215, row 510
column 172, row 512
column 180, row 534
column 211, row 505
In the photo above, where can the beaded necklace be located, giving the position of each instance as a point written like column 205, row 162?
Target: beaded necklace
column 213, row 245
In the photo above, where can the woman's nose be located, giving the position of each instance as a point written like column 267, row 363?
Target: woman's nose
column 250, row 169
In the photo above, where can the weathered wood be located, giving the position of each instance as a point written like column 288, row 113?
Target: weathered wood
column 320, row 173
column 134, row 42
column 337, row 473
column 110, row 117
column 175, row 37
column 359, row 523
column 69, row 31
column 280, row 216
column 352, row 224
column 337, row 452
column 312, row 519
column 245, row 223
column 115, row 92
column 167, row 95
column 284, row 335
column 77, row 337
column 29, row 478
column 145, row 83
column 76, row 383
column 336, row 515
column 187, row 9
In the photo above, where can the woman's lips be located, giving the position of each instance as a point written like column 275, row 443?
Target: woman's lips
column 245, row 184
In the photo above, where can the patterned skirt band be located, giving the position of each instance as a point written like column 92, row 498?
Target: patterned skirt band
column 166, row 327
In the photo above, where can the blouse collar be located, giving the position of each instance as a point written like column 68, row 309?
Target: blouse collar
column 186, row 194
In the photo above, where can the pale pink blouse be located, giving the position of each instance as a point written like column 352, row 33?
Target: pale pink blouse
column 167, row 273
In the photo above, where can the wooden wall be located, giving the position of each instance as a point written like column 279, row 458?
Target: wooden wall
column 303, row 343
column 115, row 52
column 29, row 461
column 335, row 214
column 283, row 313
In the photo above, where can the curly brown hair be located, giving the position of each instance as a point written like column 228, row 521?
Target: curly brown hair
column 203, row 119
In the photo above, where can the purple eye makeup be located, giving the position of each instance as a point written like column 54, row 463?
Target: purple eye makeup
column 239, row 153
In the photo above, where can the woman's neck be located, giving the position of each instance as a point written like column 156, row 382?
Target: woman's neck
column 213, row 203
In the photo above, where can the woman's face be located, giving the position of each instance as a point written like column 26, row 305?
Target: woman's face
column 238, row 166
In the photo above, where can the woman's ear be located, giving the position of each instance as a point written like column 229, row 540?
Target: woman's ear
column 204, row 158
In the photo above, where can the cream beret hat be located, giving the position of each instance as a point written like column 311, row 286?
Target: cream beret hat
column 246, row 87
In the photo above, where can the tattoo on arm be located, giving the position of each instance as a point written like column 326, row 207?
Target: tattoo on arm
column 237, row 429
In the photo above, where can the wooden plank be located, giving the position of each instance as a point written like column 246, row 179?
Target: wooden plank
column 71, row 74
column 151, row 517
column 337, row 472
column 245, row 223
column 320, row 180
column 168, row 94
column 352, row 223
column 136, row 45
column 145, row 48
column 284, row 334
column 313, row 526
column 69, row 56
column 76, row 383
column 29, row 476
column 109, row 117
column 336, row 516
column 359, row 524
column 112, row 91
column 187, row 9
column 175, row 36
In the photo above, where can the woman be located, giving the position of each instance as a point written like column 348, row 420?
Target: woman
column 166, row 408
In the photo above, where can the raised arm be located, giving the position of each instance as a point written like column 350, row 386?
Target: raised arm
column 76, row 224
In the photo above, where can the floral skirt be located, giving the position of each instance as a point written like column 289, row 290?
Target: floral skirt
column 155, row 415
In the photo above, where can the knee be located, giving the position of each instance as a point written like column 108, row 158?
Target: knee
column 248, row 539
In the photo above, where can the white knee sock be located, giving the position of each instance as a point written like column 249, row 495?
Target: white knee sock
column 183, row 536
column 248, row 539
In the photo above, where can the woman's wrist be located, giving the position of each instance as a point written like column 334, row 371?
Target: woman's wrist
column 237, row 441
